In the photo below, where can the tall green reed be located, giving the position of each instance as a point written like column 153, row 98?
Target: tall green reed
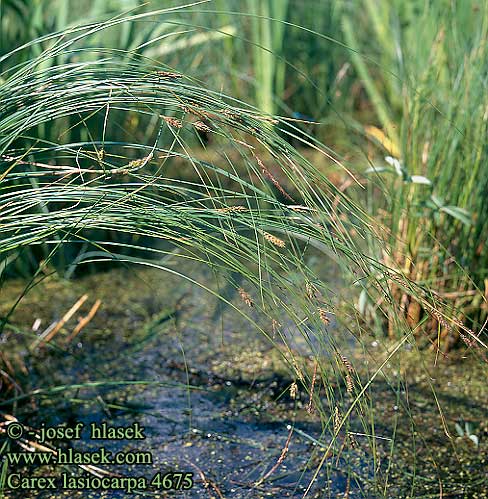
column 267, row 34
column 293, row 52
column 428, row 87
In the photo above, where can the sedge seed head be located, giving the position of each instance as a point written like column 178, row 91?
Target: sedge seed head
column 274, row 240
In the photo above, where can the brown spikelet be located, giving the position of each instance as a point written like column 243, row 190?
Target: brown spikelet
column 298, row 370
column 471, row 343
column 231, row 115
column 274, row 240
column 312, row 291
column 323, row 314
column 300, row 209
column 346, row 363
column 231, row 209
column 282, row 457
column 441, row 319
column 467, row 341
column 349, row 383
column 194, row 108
column 169, row 75
column 203, row 127
column 174, row 122
column 337, row 420
column 312, row 389
column 137, row 163
column 245, row 297
column 284, row 452
column 352, row 441
column 293, row 391
column 242, row 143
column 348, row 487
column 458, row 323
column 273, row 180
column 275, row 325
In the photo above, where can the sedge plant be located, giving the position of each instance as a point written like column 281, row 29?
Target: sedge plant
column 425, row 73
column 124, row 178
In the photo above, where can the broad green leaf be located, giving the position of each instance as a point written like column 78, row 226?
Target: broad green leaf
column 459, row 430
column 458, row 213
column 419, row 179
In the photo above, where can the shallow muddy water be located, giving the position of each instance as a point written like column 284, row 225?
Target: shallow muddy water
column 213, row 397
column 216, row 402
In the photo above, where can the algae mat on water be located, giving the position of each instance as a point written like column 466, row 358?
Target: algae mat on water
column 216, row 399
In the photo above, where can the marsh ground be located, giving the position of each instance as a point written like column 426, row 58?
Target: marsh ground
column 214, row 395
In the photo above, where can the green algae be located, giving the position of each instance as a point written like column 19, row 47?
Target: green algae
column 152, row 326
